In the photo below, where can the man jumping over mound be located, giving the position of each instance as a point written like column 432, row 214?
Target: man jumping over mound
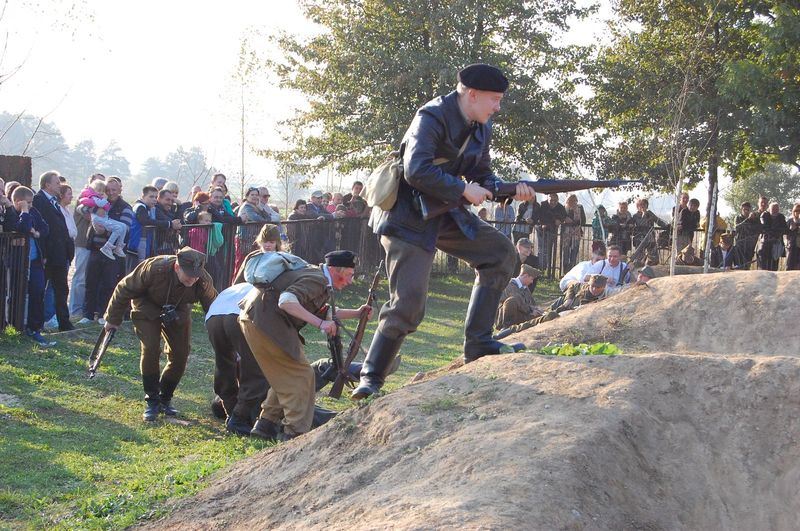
column 448, row 138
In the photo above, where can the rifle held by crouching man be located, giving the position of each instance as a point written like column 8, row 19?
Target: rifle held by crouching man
column 432, row 207
column 335, row 341
column 100, row 348
column 343, row 376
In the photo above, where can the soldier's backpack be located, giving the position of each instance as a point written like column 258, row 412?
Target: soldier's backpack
column 262, row 269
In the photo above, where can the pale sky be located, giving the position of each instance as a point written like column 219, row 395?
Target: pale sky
column 151, row 75
column 157, row 75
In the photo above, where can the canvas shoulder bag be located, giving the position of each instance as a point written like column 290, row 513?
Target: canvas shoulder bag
column 381, row 187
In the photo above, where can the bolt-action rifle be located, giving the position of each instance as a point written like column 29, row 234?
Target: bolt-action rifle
column 343, row 376
column 334, row 341
column 100, row 348
column 432, row 207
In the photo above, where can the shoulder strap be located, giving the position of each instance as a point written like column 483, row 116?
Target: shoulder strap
column 441, row 160
column 623, row 269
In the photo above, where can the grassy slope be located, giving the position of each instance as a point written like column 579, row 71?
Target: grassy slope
column 74, row 453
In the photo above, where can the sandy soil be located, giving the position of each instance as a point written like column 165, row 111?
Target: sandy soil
column 695, row 427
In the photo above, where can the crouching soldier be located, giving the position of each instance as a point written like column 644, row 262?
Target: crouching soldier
column 239, row 384
column 160, row 293
column 271, row 320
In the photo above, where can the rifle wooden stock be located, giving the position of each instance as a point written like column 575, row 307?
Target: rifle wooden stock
column 432, row 207
column 343, row 375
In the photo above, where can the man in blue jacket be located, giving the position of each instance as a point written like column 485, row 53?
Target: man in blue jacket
column 448, row 139
column 30, row 222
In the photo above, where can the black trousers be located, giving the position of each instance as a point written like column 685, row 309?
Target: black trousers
column 243, row 393
column 102, row 276
column 36, row 283
column 57, row 278
column 490, row 254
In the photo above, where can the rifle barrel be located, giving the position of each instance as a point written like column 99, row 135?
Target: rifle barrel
column 432, row 207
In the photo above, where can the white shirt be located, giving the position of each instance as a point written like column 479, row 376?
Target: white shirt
column 227, row 302
column 578, row 273
column 70, row 219
column 602, row 267
column 517, row 282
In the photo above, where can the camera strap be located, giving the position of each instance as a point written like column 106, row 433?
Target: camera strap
column 169, row 290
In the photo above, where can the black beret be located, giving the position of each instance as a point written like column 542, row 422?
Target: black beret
column 483, row 77
column 341, row 259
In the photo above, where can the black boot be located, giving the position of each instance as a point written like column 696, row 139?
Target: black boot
column 478, row 340
column 238, row 425
column 217, row 408
column 265, row 429
column 150, row 382
column 151, row 410
column 377, row 365
column 167, row 390
column 321, row 416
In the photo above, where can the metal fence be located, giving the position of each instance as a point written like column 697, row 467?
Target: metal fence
column 311, row 239
column 14, row 253
column 226, row 246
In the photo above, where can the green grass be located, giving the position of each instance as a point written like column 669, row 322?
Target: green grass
column 75, row 454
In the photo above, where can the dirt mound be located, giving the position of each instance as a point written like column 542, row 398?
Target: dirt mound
column 650, row 441
column 743, row 312
column 528, row 442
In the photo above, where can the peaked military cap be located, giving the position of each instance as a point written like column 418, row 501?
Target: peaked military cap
column 530, row 271
column 598, row 281
column 648, row 272
column 191, row 261
column 269, row 233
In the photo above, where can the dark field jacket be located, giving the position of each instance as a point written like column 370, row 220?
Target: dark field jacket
column 438, row 130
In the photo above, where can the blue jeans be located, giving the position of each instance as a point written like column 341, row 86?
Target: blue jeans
column 49, row 302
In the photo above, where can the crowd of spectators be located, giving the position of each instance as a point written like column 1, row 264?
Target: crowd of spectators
column 624, row 248
column 96, row 235
column 759, row 237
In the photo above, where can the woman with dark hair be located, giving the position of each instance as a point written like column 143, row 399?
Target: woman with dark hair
column 571, row 232
column 773, row 225
column 297, row 232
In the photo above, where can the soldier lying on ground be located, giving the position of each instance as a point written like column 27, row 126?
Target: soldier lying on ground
column 577, row 295
column 516, row 302
column 581, row 269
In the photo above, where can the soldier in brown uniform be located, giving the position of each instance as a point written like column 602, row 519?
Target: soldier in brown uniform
column 160, row 293
column 516, row 302
column 580, row 293
column 576, row 295
column 271, row 320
